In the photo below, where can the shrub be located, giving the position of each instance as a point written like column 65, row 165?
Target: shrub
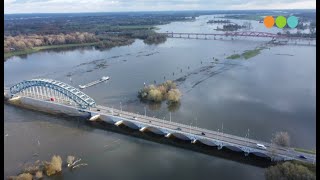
column 54, row 166
column 289, row 170
column 23, row 176
column 39, row 175
column 155, row 95
column 174, row 96
column 281, row 139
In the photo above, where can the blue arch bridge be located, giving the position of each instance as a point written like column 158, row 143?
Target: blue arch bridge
column 66, row 96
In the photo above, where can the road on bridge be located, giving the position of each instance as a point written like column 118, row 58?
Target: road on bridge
column 191, row 130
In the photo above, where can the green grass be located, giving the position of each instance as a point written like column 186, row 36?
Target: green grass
column 234, row 56
column 36, row 49
column 246, row 54
column 244, row 17
column 305, row 150
column 251, row 53
column 311, row 167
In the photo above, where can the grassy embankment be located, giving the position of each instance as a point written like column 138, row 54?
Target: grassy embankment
column 305, row 150
column 36, row 49
column 246, row 54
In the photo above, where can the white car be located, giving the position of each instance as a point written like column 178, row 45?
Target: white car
column 261, row 146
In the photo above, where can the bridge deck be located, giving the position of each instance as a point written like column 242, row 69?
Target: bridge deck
column 192, row 132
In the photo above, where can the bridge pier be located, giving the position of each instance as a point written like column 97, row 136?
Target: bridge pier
column 142, row 129
column 168, row 135
column 118, row 123
column 95, row 117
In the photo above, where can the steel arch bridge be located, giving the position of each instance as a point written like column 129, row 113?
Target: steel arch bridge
column 52, row 88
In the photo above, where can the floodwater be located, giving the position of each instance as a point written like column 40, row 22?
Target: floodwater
column 274, row 91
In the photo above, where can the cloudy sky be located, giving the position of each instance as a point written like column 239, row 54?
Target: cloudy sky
column 63, row 6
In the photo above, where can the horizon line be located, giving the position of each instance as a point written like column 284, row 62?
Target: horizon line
column 157, row 11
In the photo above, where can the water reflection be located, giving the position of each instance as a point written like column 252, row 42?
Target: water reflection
column 265, row 94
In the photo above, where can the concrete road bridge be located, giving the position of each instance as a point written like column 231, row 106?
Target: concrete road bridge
column 235, row 34
column 63, row 96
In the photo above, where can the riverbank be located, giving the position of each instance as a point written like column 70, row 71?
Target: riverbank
column 40, row 48
column 102, row 41
column 305, row 150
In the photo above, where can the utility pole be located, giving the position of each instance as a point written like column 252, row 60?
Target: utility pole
column 170, row 116
column 163, row 121
column 196, row 122
column 314, row 159
column 222, row 128
column 120, row 106
column 145, row 111
column 112, row 110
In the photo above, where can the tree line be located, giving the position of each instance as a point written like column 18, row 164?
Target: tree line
column 22, row 42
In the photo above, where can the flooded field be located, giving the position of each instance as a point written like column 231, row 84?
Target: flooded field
column 273, row 91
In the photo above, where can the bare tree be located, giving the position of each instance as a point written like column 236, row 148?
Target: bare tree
column 281, row 139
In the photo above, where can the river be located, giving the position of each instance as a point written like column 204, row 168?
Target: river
column 273, row 91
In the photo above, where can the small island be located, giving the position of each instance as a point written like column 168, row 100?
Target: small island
column 230, row 27
column 246, row 54
column 166, row 91
column 218, row 22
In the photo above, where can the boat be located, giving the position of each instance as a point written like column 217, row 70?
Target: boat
column 104, row 78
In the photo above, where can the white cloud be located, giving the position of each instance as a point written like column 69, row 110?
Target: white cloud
column 51, row 6
column 308, row 4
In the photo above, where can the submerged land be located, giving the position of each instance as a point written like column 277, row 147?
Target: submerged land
column 107, row 30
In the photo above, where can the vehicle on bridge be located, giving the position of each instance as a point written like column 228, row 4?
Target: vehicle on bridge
column 261, row 146
column 302, row 157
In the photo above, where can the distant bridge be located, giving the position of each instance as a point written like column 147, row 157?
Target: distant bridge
column 68, row 97
column 234, row 34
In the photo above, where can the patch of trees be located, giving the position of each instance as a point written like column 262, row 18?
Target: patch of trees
column 113, row 41
column 165, row 91
column 218, row 22
column 148, row 36
column 87, row 22
column 290, row 170
column 231, row 27
column 38, row 169
column 23, row 42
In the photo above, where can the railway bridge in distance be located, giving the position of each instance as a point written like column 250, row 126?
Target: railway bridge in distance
column 61, row 94
column 242, row 34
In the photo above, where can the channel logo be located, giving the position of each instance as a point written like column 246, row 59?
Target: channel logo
column 281, row 21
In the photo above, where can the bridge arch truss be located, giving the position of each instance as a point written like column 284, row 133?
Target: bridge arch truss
column 47, row 88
